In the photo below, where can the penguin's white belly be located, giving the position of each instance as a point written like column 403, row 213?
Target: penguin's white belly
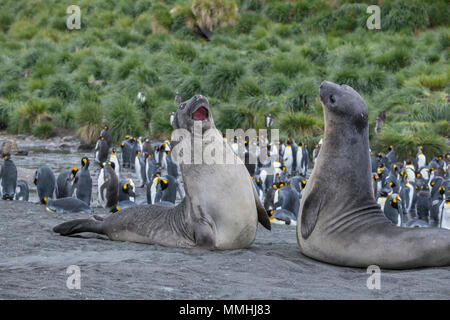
column 288, row 159
column 153, row 191
column 137, row 168
column 116, row 165
column 410, row 175
column 399, row 220
column 411, row 195
column 101, row 181
column 275, row 200
column 421, row 161
column 445, row 216
column 234, row 146
column 382, row 201
column 299, row 158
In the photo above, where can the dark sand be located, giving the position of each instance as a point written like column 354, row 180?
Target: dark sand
column 33, row 263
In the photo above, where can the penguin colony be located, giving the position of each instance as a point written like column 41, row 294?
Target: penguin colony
column 412, row 193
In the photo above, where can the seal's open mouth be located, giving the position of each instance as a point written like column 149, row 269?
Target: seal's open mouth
column 200, row 114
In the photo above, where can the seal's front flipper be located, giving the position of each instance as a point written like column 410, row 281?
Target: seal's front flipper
column 78, row 226
column 263, row 217
column 310, row 213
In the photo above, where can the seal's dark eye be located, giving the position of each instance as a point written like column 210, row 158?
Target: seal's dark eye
column 332, row 99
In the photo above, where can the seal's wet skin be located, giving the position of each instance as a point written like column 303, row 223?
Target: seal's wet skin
column 221, row 209
column 339, row 221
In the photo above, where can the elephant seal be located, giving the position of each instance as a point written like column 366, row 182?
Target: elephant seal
column 220, row 209
column 339, row 221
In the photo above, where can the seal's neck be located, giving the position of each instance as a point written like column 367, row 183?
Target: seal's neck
column 347, row 148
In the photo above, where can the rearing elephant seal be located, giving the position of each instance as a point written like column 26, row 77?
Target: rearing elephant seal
column 339, row 221
column 221, row 208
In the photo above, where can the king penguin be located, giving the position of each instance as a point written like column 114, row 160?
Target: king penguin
column 127, row 148
column 108, row 186
column 45, row 181
column 101, row 150
column 163, row 190
column 127, row 190
column 64, row 183
column 127, row 195
column 288, row 157
column 444, row 217
column 423, row 203
column 106, row 134
column 82, row 185
column 66, row 205
column 151, row 167
column 113, row 158
column 139, row 167
column 22, row 191
column 8, row 178
column 393, row 209
column 421, row 159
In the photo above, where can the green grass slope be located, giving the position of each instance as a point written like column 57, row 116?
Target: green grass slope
column 249, row 57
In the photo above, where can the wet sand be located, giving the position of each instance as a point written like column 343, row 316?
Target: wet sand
column 34, row 260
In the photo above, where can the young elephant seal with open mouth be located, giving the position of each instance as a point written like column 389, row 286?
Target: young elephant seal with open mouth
column 220, row 210
column 339, row 221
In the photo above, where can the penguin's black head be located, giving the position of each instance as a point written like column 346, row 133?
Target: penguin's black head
column 194, row 111
column 114, row 209
column 395, row 201
column 278, row 185
column 302, row 184
column 112, row 165
column 343, row 103
column 390, row 147
column 85, row 162
column 128, row 188
column 164, row 183
column 44, row 200
column 105, row 127
column 74, row 172
column 6, row 157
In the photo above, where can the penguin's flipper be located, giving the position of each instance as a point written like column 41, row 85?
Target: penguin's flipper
column 263, row 217
column 103, row 193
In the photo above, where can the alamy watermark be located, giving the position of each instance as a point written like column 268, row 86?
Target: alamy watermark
column 74, row 20
column 374, row 280
column 374, row 21
column 74, row 279
column 211, row 147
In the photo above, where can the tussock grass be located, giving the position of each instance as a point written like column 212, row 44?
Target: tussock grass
column 405, row 142
column 44, row 130
column 266, row 56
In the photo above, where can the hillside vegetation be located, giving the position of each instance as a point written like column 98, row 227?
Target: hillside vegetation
column 249, row 57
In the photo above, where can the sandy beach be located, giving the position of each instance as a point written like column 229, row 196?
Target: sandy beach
column 34, row 261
